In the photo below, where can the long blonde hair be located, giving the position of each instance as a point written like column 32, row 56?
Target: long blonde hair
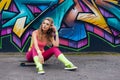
column 49, row 35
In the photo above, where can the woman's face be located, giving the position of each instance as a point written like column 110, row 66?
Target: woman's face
column 45, row 25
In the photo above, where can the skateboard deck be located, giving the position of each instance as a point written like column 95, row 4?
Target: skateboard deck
column 26, row 63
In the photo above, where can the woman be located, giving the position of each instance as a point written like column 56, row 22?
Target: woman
column 46, row 35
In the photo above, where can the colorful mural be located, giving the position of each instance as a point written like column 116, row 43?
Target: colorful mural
column 75, row 20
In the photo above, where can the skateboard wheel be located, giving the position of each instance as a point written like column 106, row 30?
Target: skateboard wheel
column 22, row 64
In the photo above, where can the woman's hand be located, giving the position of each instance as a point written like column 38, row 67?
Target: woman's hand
column 41, row 59
column 55, row 40
column 54, row 28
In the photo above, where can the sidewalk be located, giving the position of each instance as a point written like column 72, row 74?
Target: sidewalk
column 90, row 67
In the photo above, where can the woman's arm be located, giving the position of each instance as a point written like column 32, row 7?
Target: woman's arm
column 31, row 43
column 55, row 40
column 35, row 42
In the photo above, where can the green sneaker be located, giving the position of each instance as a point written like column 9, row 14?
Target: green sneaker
column 40, row 71
column 70, row 67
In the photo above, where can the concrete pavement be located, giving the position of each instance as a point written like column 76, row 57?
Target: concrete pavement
column 90, row 67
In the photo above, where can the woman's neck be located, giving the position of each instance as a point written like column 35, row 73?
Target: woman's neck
column 44, row 32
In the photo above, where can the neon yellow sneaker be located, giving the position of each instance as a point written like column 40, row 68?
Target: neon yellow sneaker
column 40, row 71
column 70, row 67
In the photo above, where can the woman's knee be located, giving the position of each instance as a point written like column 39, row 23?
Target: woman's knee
column 54, row 48
column 29, row 57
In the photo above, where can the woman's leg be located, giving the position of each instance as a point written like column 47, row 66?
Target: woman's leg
column 55, row 51
column 68, row 65
column 51, row 51
column 29, row 56
column 35, row 57
column 39, row 66
column 47, row 54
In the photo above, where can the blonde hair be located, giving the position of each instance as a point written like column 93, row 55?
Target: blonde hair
column 40, row 31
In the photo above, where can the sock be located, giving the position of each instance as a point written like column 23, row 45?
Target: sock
column 64, row 60
column 37, row 63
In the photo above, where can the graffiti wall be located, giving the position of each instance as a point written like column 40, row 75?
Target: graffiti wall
column 83, row 25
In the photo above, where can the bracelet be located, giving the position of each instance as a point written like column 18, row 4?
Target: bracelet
column 56, row 32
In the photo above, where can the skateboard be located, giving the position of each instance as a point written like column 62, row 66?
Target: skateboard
column 26, row 63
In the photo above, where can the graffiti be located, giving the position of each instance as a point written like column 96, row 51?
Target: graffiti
column 4, row 5
column 74, row 19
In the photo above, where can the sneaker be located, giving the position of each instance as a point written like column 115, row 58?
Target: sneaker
column 70, row 67
column 40, row 71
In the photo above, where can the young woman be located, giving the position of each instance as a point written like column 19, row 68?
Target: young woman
column 46, row 35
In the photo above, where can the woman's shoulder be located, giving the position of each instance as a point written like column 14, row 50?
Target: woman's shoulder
column 34, row 32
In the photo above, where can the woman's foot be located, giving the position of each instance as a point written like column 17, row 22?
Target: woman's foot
column 70, row 67
column 40, row 71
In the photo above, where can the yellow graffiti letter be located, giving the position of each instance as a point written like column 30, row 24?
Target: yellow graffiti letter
column 4, row 4
column 96, row 18
column 19, row 26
